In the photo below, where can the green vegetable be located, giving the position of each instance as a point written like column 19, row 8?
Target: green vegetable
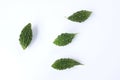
column 64, row 39
column 64, row 63
column 80, row 16
column 26, row 36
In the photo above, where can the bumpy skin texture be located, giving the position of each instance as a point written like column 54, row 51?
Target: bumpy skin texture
column 64, row 39
column 80, row 16
column 26, row 36
column 64, row 63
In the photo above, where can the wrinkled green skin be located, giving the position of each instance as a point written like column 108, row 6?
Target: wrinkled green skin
column 64, row 63
column 80, row 16
column 64, row 39
column 26, row 36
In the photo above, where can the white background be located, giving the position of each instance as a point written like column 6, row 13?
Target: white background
column 97, row 44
